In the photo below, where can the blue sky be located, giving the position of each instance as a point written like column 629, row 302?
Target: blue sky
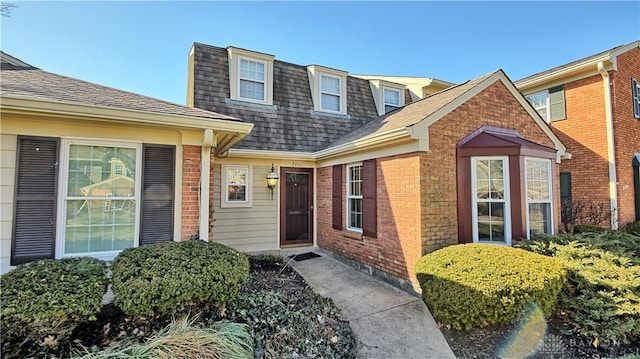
column 143, row 46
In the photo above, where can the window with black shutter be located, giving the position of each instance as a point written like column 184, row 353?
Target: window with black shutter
column 35, row 199
column 158, row 181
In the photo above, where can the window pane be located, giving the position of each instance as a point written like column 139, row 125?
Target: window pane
column 237, row 184
column 491, row 221
column 99, row 225
column 391, row 97
column 252, row 90
column 252, row 70
column 330, row 85
column 237, row 193
column 330, row 102
column 355, row 213
column 237, row 175
column 101, row 171
column 538, row 187
column 539, row 218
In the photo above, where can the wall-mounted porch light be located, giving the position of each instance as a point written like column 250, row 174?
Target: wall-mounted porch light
column 272, row 179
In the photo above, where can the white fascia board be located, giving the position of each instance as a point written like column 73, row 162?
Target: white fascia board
column 246, row 153
column 365, row 142
column 110, row 114
column 582, row 66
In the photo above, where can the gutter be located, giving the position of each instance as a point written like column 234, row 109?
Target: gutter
column 363, row 142
column 613, row 191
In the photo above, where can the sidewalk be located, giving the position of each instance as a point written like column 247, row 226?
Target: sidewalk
column 388, row 323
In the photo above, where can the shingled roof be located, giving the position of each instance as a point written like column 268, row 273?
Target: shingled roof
column 410, row 114
column 21, row 80
column 291, row 125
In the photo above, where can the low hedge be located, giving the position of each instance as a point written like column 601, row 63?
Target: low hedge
column 177, row 277
column 601, row 298
column 51, row 297
column 473, row 285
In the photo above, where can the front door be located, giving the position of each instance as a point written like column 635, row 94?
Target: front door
column 296, row 210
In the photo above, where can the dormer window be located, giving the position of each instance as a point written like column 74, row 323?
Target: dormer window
column 328, row 89
column 252, row 80
column 391, row 99
column 331, row 92
column 250, row 76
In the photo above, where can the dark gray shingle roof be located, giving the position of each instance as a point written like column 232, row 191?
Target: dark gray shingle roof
column 21, row 80
column 410, row 114
column 293, row 126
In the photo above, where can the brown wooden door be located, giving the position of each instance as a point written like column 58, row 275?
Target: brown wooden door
column 296, row 206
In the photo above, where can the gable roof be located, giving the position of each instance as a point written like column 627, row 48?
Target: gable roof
column 291, row 124
column 583, row 67
column 429, row 110
column 21, row 80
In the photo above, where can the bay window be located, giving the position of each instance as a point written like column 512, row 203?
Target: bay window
column 539, row 196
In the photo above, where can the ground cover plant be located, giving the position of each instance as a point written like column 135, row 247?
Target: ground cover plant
column 284, row 317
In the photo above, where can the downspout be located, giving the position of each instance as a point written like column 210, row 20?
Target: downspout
column 205, row 180
column 613, row 190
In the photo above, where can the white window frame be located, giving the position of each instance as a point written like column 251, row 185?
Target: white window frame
column 224, row 200
column 63, row 197
column 235, row 55
column 384, row 99
column 264, row 82
column 351, row 196
column 506, row 200
column 315, row 74
column 546, row 106
column 336, row 94
column 635, row 89
column 549, row 201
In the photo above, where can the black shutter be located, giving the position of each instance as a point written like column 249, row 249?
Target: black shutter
column 158, row 181
column 34, row 215
column 565, row 186
column 369, row 199
column 336, row 197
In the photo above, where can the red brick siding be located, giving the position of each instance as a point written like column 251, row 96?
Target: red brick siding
column 397, row 245
column 417, row 196
column 626, row 131
column 584, row 132
column 495, row 106
column 191, row 156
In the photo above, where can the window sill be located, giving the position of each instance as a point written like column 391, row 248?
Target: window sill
column 353, row 235
column 250, row 104
column 331, row 114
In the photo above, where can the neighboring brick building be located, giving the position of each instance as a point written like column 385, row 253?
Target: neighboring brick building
column 593, row 106
column 367, row 171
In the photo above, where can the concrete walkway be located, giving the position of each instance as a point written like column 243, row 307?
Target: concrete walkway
column 388, row 323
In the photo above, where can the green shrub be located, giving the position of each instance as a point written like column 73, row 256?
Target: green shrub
column 602, row 295
column 177, row 277
column 633, row 228
column 51, row 297
column 478, row 284
column 588, row 228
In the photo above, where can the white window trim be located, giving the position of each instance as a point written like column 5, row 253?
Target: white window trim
column 224, row 200
column 348, row 196
column 400, row 98
column 61, row 206
column 507, row 199
column 547, row 104
column 234, row 56
column 339, row 94
column 315, row 73
column 264, row 83
column 528, row 201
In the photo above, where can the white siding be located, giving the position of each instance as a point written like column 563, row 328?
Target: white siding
column 7, row 178
column 247, row 229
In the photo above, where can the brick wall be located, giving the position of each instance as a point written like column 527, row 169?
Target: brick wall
column 191, row 157
column 495, row 106
column 584, row 133
column 417, row 196
column 397, row 246
column 626, row 131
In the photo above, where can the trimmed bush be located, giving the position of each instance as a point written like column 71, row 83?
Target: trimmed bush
column 588, row 228
column 633, row 228
column 51, row 297
column 177, row 277
column 473, row 285
column 601, row 298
